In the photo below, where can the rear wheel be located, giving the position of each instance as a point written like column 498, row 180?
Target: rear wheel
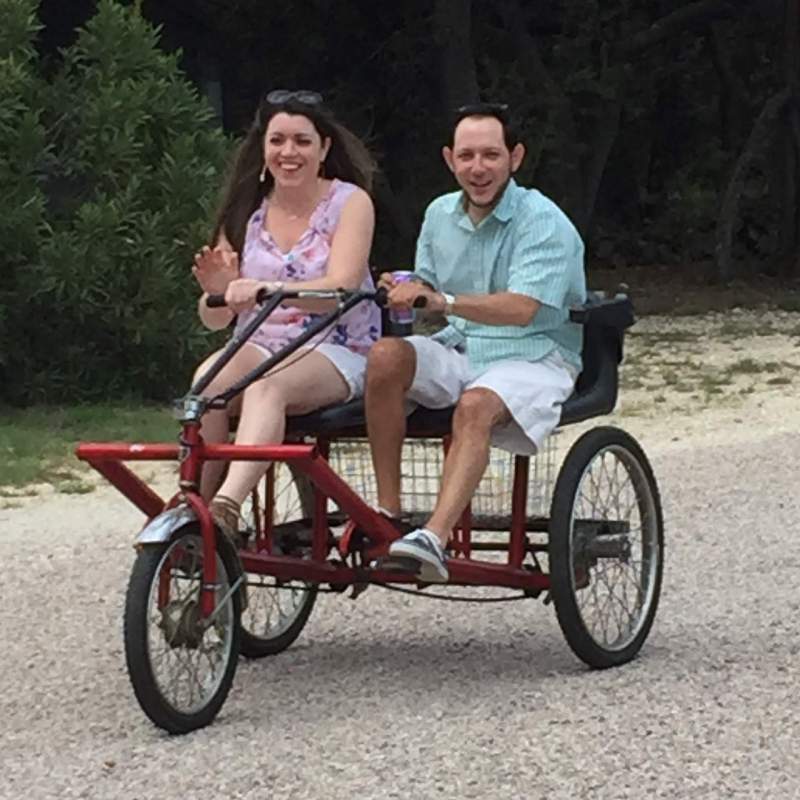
column 606, row 547
column 181, row 665
column 277, row 611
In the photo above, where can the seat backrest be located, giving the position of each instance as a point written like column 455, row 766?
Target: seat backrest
column 604, row 321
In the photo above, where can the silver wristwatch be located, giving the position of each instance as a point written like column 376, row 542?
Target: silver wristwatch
column 449, row 299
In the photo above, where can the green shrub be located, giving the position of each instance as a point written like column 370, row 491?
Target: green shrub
column 22, row 151
column 136, row 170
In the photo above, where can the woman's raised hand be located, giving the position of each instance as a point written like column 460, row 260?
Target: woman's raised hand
column 215, row 269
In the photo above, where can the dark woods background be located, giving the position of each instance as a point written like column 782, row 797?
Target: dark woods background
column 668, row 130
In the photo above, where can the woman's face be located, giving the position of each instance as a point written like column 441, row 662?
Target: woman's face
column 293, row 149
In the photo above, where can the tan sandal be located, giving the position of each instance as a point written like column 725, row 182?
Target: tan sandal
column 226, row 513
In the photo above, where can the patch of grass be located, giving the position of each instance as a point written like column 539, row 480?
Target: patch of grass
column 75, row 487
column 37, row 444
column 17, row 491
column 713, row 382
column 780, row 380
column 660, row 337
column 745, row 366
column 632, row 383
column 789, row 303
column 637, row 409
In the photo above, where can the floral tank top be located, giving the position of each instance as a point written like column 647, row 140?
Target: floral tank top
column 263, row 260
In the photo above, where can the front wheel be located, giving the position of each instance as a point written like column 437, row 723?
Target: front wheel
column 606, row 547
column 181, row 666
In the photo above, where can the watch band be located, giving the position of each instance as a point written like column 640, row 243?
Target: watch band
column 449, row 299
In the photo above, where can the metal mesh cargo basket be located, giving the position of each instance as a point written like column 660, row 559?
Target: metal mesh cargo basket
column 421, row 468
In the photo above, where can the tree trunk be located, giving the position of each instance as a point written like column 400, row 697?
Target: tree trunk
column 729, row 213
column 605, row 137
column 453, row 35
column 734, row 102
column 790, row 220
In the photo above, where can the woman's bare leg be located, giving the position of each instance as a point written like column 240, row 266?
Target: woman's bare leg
column 216, row 424
column 308, row 383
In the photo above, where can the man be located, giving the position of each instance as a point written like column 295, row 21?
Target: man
column 504, row 265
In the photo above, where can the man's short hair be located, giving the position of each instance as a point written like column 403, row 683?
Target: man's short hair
column 499, row 111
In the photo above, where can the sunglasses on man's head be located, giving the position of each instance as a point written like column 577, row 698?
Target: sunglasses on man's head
column 476, row 109
column 304, row 96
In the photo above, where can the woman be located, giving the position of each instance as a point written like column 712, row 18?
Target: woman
column 296, row 213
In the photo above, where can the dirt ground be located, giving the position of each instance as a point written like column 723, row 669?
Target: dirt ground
column 398, row 697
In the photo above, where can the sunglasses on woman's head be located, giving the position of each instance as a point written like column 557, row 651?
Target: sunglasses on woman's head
column 304, row 96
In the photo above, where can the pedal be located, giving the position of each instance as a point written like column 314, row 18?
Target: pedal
column 397, row 564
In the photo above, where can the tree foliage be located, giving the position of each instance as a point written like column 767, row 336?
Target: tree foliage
column 131, row 171
column 636, row 113
column 668, row 129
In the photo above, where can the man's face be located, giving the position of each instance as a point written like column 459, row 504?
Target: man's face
column 480, row 160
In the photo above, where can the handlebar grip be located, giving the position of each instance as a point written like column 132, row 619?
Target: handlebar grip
column 381, row 296
column 216, row 301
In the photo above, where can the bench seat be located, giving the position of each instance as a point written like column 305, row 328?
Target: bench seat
column 605, row 321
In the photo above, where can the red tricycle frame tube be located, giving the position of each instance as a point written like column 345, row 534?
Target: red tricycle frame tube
column 319, row 542
column 464, row 572
column 130, row 485
column 381, row 531
column 305, row 456
column 209, row 452
column 191, row 457
column 207, row 531
column 106, row 457
column 517, row 544
column 264, row 533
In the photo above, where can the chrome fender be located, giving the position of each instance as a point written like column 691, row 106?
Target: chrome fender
column 161, row 527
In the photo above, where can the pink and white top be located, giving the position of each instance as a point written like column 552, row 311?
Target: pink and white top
column 263, row 260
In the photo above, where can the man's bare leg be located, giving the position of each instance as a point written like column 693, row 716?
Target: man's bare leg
column 478, row 411
column 391, row 365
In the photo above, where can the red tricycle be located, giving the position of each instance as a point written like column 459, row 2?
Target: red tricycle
column 589, row 539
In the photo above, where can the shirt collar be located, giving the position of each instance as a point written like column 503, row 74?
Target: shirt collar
column 503, row 211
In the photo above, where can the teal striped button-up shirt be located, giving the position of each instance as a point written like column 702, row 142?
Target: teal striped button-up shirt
column 527, row 245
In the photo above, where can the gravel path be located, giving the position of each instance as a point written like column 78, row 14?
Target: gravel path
column 396, row 697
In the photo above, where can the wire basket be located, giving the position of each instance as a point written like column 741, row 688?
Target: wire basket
column 421, row 470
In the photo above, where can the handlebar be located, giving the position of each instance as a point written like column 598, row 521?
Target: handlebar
column 340, row 295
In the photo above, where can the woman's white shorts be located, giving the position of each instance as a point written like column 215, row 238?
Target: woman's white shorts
column 350, row 365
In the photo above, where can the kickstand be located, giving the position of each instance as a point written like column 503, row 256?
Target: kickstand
column 361, row 583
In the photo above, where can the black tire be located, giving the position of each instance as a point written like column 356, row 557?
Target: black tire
column 260, row 636
column 179, row 638
column 583, row 546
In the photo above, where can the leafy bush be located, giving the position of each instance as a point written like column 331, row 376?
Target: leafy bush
column 110, row 300
column 22, row 149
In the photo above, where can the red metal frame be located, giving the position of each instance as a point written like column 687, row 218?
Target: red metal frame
column 309, row 459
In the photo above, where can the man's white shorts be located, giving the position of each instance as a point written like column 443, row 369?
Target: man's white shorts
column 532, row 391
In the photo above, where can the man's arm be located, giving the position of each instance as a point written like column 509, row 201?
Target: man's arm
column 502, row 308
column 538, row 275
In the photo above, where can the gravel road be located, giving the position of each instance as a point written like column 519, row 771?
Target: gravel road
column 395, row 697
